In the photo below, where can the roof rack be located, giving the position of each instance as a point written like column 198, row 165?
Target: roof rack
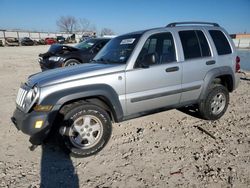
column 192, row 23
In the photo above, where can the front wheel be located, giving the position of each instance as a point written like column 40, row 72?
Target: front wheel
column 71, row 62
column 87, row 128
column 215, row 104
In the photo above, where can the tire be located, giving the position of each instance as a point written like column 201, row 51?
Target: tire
column 71, row 62
column 215, row 104
column 86, row 129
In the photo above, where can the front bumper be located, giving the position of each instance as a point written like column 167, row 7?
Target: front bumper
column 45, row 64
column 26, row 123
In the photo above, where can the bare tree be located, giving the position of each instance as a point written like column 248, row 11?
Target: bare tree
column 84, row 24
column 107, row 31
column 67, row 24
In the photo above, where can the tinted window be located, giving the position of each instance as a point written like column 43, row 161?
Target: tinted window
column 160, row 44
column 220, row 41
column 194, row 44
column 190, row 44
column 205, row 50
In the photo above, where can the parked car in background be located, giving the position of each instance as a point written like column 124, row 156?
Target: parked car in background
column 84, row 38
column 50, row 41
column 11, row 41
column 60, row 39
column 26, row 41
column 62, row 55
column 71, row 39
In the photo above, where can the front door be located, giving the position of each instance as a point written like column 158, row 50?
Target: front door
column 155, row 85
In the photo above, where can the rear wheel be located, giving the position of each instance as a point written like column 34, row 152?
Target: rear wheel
column 215, row 104
column 71, row 62
column 86, row 130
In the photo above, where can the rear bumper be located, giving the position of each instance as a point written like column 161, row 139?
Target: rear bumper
column 237, row 80
column 26, row 123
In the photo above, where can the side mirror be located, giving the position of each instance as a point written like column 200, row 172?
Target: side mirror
column 149, row 59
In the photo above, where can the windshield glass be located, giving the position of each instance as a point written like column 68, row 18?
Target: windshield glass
column 118, row 50
column 86, row 44
column 55, row 47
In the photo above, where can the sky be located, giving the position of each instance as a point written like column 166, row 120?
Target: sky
column 125, row 15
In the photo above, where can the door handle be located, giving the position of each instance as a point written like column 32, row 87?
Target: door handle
column 211, row 62
column 172, row 69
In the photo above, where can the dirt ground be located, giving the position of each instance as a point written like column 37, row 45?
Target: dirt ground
column 161, row 150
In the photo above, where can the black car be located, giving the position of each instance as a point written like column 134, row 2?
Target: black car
column 26, row 41
column 60, row 39
column 64, row 55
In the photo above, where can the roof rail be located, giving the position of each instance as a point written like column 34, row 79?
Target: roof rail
column 192, row 23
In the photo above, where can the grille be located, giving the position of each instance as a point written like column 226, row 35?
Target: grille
column 20, row 97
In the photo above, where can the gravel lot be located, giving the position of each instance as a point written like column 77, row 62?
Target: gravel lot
column 161, row 150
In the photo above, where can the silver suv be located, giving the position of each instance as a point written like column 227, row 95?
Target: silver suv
column 182, row 64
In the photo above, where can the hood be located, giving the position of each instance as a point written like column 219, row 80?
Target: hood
column 66, row 74
column 58, row 49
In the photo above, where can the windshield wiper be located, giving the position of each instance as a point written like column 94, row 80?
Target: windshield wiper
column 105, row 61
column 101, row 60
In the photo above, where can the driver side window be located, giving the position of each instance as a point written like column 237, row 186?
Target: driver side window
column 161, row 45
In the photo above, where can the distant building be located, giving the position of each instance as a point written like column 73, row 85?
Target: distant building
column 241, row 40
column 241, row 36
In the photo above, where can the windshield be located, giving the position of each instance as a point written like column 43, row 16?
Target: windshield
column 118, row 50
column 55, row 48
column 86, row 44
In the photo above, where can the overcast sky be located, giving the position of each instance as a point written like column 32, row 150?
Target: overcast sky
column 125, row 15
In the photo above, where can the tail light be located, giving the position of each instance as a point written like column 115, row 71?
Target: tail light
column 237, row 67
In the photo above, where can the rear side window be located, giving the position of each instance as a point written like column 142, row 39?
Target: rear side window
column 221, row 43
column 205, row 50
column 194, row 44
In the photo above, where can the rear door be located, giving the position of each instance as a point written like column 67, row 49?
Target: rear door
column 198, row 60
column 158, row 85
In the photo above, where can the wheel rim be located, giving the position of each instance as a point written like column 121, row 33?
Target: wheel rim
column 218, row 103
column 86, row 131
column 71, row 64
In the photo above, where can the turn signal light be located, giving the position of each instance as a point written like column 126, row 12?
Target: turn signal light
column 43, row 108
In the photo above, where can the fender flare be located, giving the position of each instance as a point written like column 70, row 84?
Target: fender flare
column 212, row 74
column 59, row 98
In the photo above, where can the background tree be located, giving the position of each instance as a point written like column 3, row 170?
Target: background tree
column 107, row 31
column 67, row 24
column 84, row 25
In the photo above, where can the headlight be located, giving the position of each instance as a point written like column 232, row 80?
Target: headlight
column 54, row 58
column 31, row 96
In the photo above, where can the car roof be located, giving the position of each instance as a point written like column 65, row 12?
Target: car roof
column 178, row 25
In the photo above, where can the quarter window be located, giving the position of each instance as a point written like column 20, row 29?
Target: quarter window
column 221, row 43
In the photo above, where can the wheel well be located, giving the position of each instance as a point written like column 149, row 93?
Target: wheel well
column 225, row 80
column 98, row 101
column 73, row 59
